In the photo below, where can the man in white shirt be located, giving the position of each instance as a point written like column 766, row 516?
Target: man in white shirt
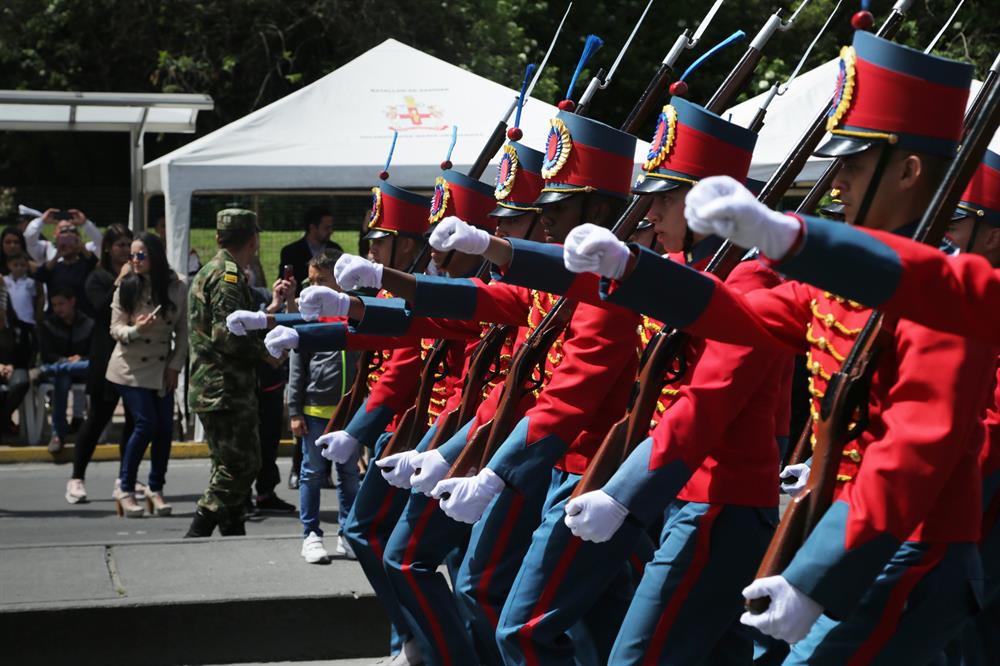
column 42, row 250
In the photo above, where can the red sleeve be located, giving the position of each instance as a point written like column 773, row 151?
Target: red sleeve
column 396, row 385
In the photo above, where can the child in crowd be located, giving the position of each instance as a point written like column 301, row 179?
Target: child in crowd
column 315, row 384
column 64, row 342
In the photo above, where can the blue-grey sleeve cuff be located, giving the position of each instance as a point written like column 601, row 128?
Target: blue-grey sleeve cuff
column 453, row 448
column 644, row 492
column 831, row 575
column 538, row 266
column 289, row 319
column 445, row 298
column 366, row 426
column 846, row 261
column 322, row 337
column 384, row 316
column 642, row 291
column 519, row 463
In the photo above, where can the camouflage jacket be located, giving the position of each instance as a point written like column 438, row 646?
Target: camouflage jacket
column 223, row 365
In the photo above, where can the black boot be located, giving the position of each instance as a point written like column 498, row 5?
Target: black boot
column 235, row 527
column 203, row 524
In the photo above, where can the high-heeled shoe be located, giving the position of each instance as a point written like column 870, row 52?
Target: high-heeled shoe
column 125, row 505
column 156, row 505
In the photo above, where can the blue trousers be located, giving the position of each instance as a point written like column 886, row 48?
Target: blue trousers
column 918, row 603
column 376, row 509
column 62, row 375
column 312, row 473
column 567, row 587
column 686, row 609
column 153, row 416
column 422, row 540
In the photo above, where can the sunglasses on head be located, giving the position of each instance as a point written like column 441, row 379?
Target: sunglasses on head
column 138, row 256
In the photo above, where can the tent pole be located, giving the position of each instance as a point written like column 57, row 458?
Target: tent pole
column 136, row 161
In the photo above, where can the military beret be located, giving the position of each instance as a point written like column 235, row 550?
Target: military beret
column 233, row 219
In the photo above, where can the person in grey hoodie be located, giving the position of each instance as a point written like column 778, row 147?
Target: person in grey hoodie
column 315, row 383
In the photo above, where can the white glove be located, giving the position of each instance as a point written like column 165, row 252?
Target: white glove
column 719, row 205
column 338, row 446
column 354, row 272
column 791, row 613
column 398, row 468
column 315, row 302
column 280, row 339
column 468, row 497
column 595, row 516
column 800, row 474
column 452, row 233
column 241, row 321
column 593, row 249
column 429, row 468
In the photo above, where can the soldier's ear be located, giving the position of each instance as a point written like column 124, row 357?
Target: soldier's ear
column 991, row 238
column 911, row 171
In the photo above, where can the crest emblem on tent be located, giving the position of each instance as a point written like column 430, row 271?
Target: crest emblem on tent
column 663, row 138
column 506, row 172
column 557, row 148
column 376, row 212
column 439, row 202
column 844, row 94
column 419, row 116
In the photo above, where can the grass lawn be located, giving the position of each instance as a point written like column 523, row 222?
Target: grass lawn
column 271, row 242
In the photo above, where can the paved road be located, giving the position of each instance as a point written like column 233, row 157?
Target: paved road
column 33, row 510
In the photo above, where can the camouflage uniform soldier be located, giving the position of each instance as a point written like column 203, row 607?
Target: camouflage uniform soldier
column 223, row 375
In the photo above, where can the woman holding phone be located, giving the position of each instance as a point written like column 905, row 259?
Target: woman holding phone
column 149, row 322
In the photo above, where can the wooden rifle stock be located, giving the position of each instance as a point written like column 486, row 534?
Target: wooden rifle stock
column 413, row 424
column 470, row 459
column 350, row 401
column 848, row 391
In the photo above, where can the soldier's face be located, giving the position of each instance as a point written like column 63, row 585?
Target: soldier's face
column 667, row 215
column 380, row 250
column 559, row 218
column 517, row 227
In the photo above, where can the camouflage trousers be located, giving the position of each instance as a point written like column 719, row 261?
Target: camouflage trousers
column 234, row 443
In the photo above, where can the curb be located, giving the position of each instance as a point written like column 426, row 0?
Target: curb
column 104, row 452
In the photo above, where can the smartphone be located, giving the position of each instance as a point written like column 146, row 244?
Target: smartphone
column 63, row 215
column 155, row 311
column 287, row 273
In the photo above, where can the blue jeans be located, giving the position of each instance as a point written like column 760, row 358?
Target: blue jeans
column 311, row 475
column 62, row 375
column 153, row 416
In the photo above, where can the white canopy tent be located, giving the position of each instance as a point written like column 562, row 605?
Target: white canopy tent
column 335, row 133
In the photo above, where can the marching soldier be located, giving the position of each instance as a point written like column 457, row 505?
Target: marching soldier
column 890, row 571
column 223, row 375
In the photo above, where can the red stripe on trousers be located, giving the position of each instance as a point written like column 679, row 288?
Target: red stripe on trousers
column 407, row 568
column 545, row 601
column 691, row 576
column 383, row 511
column 893, row 610
column 637, row 564
column 483, row 589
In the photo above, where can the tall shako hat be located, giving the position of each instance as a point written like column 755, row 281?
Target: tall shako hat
column 584, row 155
column 519, row 174
column 395, row 211
column 691, row 143
column 893, row 94
column 981, row 198
column 459, row 195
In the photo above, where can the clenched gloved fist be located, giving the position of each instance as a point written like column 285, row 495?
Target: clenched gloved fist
column 590, row 248
column 241, row 321
column 595, row 516
column 353, row 272
column 316, row 302
column 339, row 446
column 722, row 206
column 452, row 233
column 799, row 476
column 398, row 468
column 789, row 616
column 429, row 468
column 280, row 340
column 466, row 499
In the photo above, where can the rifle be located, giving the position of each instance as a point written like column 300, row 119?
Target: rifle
column 664, row 359
column 847, row 392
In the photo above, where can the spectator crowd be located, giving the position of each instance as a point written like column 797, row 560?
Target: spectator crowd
column 91, row 320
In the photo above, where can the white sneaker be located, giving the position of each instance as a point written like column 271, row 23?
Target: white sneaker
column 344, row 548
column 312, row 549
column 408, row 656
column 75, row 492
